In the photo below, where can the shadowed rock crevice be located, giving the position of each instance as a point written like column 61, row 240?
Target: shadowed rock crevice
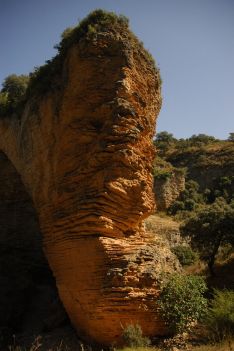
column 23, row 267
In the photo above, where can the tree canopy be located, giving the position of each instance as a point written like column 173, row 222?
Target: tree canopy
column 15, row 87
column 13, row 93
column 209, row 228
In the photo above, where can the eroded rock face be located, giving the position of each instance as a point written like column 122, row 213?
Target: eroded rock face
column 84, row 152
column 167, row 190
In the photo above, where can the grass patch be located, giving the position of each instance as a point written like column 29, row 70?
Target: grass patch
column 223, row 346
column 220, row 316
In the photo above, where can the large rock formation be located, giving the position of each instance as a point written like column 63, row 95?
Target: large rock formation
column 84, row 152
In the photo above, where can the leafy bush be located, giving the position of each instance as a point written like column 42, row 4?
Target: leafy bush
column 162, row 170
column 164, row 137
column 12, row 95
column 132, row 336
column 191, row 192
column 188, row 200
column 160, row 173
column 220, row 316
column 223, row 187
column 175, row 207
column 185, row 255
column 201, row 139
column 189, row 204
column 15, row 87
column 182, row 302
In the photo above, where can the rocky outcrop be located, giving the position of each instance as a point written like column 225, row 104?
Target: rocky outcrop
column 167, row 231
column 167, row 189
column 84, row 152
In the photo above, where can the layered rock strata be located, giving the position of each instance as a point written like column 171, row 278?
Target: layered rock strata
column 84, row 151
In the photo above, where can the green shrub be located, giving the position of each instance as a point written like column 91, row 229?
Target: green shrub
column 160, row 173
column 220, row 316
column 189, row 205
column 201, row 139
column 4, row 104
column 182, row 302
column 12, row 95
column 189, row 199
column 175, row 207
column 132, row 336
column 185, row 255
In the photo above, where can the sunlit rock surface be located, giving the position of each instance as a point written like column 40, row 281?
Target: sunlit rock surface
column 84, row 152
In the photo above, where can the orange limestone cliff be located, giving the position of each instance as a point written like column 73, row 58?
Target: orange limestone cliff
column 83, row 147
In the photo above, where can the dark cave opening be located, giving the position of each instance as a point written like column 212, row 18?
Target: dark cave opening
column 28, row 295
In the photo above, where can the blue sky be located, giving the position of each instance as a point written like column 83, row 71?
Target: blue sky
column 192, row 42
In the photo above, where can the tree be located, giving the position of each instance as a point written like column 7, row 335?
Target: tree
column 181, row 301
column 209, row 228
column 201, row 139
column 163, row 142
column 15, row 87
column 231, row 137
column 164, row 137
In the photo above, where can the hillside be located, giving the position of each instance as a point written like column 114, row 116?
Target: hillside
column 205, row 158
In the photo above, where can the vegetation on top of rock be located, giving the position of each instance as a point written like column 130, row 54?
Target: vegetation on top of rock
column 197, row 151
column 48, row 76
column 41, row 80
column 12, row 95
column 164, row 170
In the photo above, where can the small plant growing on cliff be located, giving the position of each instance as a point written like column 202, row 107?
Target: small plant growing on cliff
column 182, row 302
column 132, row 336
column 185, row 255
